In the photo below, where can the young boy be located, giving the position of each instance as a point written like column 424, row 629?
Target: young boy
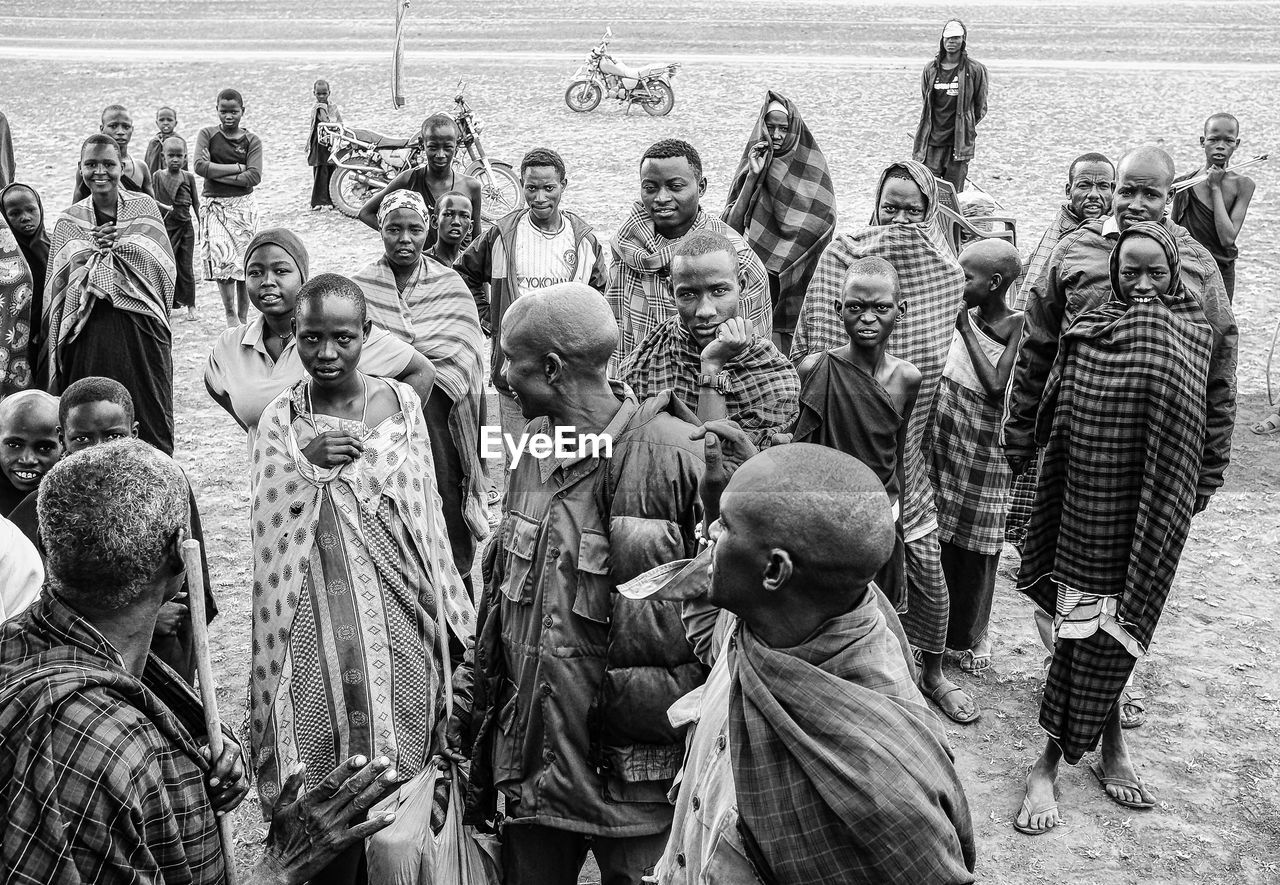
column 434, row 179
column 1213, row 211
column 452, row 223
column 29, row 444
column 166, row 126
column 176, row 194
column 524, row 251
column 134, row 175
column 966, row 461
column 93, row 411
column 858, row 398
column 229, row 158
column 318, row 157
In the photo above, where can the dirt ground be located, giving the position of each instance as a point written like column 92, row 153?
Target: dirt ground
column 1065, row 78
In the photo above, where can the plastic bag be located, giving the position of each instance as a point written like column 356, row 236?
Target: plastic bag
column 463, row 856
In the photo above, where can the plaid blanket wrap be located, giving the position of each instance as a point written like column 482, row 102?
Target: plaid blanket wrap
column 841, row 771
column 640, row 280
column 764, row 389
column 790, row 208
column 933, row 286
column 437, row 315
column 137, row 274
column 1123, row 422
column 1065, row 222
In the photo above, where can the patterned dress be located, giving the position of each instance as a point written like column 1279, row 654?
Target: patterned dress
column 350, row 564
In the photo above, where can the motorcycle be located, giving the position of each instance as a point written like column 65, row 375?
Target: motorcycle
column 365, row 162
column 603, row 75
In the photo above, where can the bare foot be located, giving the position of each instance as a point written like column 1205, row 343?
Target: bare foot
column 1039, row 812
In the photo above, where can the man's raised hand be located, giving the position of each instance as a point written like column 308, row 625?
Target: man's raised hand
column 733, row 337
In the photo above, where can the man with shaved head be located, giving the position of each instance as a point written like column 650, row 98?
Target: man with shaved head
column 573, row 680
column 813, row 757
column 708, row 354
column 29, row 445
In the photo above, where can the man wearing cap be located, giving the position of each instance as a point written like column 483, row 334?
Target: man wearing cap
column 954, row 88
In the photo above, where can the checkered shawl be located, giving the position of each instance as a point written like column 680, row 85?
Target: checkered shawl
column 1123, row 420
column 640, row 280
column 933, row 286
column 438, row 317
column 102, row 777
column 842, row 773
column 136, row 275
column 764, row 387
column 1066, row 221
column 791, row 208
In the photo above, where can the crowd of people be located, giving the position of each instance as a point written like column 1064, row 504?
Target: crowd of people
column 713, row 653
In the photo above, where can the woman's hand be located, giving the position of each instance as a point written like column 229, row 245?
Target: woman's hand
column 333, row 448
column 759, row 151
column 105, row 236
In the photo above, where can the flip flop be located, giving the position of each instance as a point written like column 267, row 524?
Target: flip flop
column 1268, row 425
column 1133, row 712
column 1032, row 812
column 1125, row 783
column 971, row 663
column 945, row 689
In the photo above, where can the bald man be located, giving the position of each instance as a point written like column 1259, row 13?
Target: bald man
column 29, row 445
column 813, row 756
column 574, row 680
column 1078, row 278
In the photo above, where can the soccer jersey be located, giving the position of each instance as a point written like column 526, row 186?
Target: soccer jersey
column 543, row 259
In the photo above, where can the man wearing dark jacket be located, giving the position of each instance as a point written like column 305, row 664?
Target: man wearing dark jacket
column 526, row 251
column 571, row 681
column 954, row 89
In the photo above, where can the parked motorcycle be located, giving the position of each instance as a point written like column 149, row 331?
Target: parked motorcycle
column 603, row 75
column 365, row 162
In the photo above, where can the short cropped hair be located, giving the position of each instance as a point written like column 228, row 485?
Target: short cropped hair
column 674, row 147
column 440, row 201
column 1090, row 157
column 543, row 157
column 94, row 389
column 438, row 121
column 1222, row 115
column 705, row 242
column 114, row 108
column 106, row 516
column 175, row 137
column 231, row 95
column 878, row 268
column 331, row 285
column 99, row 139
column 161, row 110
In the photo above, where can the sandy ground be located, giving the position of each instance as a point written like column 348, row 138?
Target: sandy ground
column 1066, row 77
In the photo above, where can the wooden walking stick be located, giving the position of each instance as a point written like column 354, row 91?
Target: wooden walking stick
column 208, row 689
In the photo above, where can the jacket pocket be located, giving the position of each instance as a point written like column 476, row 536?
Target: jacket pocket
column 519, row 549
column 594, row 588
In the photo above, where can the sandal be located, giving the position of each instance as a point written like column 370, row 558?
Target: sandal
column 1032, row 812
column 1133, row 710
column 972, row 663
column 1268, row 425
column 947, row 688
column 1137, row 785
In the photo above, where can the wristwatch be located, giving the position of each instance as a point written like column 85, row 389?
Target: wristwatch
column 718, row 382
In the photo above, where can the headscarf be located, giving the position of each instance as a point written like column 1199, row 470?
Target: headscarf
column 1152, row 231
column 286, row 240
column 928, row 184
column 35, row 248
column 790, row 212
column 403, row 199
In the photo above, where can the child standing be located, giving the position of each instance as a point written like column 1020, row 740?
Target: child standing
column 452, row 223
column 166, row 126
column 117, row 124
column 24, row 213
column 323, row 111
column 177, row 197
column 229, row 158
column 966, row 462
column 1213, row 211
column 858, row 398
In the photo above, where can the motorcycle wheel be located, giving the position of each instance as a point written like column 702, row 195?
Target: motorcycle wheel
column 500, row 194
column 583, row 96
column 664, row 99
column 349, row 193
